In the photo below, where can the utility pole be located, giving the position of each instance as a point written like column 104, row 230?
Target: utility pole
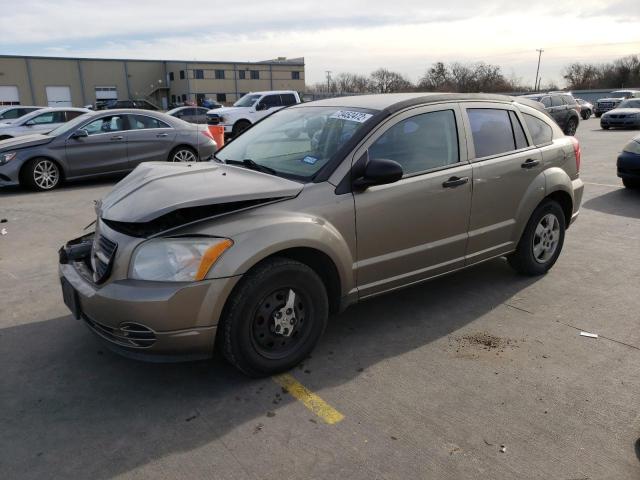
column 539, row 50
column 328, row 81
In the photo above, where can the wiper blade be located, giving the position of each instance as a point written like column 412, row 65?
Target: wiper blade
column 250, row 164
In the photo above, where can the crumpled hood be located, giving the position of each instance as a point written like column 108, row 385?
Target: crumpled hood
column 227, row 110
column 154, row 189
column 24, row 141
column 622, row 111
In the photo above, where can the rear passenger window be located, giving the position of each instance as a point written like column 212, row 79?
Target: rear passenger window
column 139, row 122
column 71, row 114
column 420, row 143
column 288, row 99
column 556, row 101
column 518, row 131
column 491, row 131
column 546, row 101
column 540, row 131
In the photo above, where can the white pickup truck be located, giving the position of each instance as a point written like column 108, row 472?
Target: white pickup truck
column 251, row 108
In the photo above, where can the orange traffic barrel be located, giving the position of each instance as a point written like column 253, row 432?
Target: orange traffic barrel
column 217, row 132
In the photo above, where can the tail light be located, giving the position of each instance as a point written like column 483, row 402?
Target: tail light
column 576, row 151
column 207, row 133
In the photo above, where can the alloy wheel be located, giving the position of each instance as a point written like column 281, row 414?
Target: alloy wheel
column 546, row 237
column 46, row 174
column 184, row 156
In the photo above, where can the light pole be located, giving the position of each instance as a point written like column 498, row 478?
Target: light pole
column 328, row 81
column 536, row 85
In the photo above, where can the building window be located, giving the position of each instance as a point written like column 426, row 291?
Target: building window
column 198, row 74
column 221, row 97
column 171, row 76
column 173, row 99
column 242, row 74
column 181, row 74
column 255, row 74
column 184, row 97
column 219, row 74
column 295, row 75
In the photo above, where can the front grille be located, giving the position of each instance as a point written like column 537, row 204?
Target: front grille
column 128, row 334
column 102, row 257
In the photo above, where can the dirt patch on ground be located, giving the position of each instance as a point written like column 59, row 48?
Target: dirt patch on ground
column 470, row 344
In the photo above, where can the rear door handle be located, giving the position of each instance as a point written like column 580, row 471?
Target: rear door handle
column 118, row 137
column 530, row 163
column 454, row 182
column 162, row 135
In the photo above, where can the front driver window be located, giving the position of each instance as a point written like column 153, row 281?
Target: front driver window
column 114, row 123
column 420, row 143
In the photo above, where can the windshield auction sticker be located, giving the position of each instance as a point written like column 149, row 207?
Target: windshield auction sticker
column 351, row 116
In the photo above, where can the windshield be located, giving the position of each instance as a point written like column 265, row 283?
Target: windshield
column 70, row 125
column 635, row 103
column 247, row 101
column 299, row 141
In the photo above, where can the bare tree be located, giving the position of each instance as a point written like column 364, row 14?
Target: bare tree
column 386, row 81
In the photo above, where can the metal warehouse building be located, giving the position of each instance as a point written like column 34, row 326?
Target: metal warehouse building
column 56, row 81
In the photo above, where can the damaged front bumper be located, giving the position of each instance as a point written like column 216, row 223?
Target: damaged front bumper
column 157, row 321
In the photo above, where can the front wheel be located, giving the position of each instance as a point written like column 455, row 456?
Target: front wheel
column 586, row 114
column 598, row 115
column 542, row 240
column 41, row 174
column 274, row 318
column 604, row 127
column 239, row 127
column 631, row 183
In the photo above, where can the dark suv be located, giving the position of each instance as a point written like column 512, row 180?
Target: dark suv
column 562, row 107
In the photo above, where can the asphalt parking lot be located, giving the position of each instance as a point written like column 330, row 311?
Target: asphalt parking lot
column 480, row 374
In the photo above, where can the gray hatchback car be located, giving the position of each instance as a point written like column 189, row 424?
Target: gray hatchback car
column 316, row 207
column 99, row 143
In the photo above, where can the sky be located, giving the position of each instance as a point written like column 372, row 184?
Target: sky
column 347, row 35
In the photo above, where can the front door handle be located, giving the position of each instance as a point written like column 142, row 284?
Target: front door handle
column 162, row 135
column 454, row 182
column 117, row 137
column 530, row 163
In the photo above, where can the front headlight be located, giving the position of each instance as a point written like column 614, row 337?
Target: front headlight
column 177, row 259
column 6, row 157
column 632, row 147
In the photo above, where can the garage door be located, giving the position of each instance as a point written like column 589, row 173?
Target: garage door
column 9, row 96
column 106, row 93
column 59, row 96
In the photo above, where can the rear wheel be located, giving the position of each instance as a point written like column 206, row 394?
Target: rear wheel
column 41, row 174
column 586, row 114
column 274, row 318
column 542, row 240
column 631, row 183
column 240, row 126
column 572, row 126
column 598, row 115
column 183, row 154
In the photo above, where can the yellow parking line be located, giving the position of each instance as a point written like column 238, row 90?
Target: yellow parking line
column 309, row 399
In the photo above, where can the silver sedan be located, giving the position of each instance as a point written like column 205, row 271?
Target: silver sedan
column 39, row 121
column 99, row 143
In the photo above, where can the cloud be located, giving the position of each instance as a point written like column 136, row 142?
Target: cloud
column 359, row 35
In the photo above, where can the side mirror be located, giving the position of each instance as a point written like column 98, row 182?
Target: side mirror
column 80, row 133
column 378, row 171
column 261, row 106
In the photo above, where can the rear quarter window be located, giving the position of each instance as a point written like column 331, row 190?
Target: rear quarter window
column 541, row 132
column 491, row 131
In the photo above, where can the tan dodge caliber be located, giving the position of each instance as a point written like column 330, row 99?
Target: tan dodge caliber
column 316, row 207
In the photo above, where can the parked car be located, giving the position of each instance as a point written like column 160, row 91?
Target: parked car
column 251, row 108
column 562, row 107
column 260, row 247
column 42, row 120
column 190, row 114
column 211, row 104
column 140, row 104
column 629, row 164
column 586, row 108
column 8, row 114
column 98, row 143
column 614, row 99
column 626, row 114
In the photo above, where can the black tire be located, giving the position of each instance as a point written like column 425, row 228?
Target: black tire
column 604, row 127
column 572, row 126
column 239, row 127
column 183, row 154
column 631, row 183
column 598, row 115
column 250, row 340
column 41, row 174
column 586, row 114
column 523, row 260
